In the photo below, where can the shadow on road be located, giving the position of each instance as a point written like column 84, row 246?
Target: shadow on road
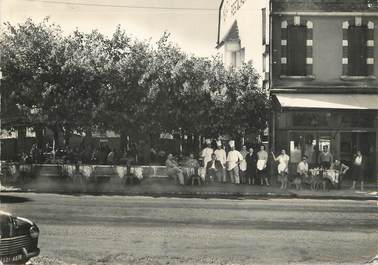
column 13, row 199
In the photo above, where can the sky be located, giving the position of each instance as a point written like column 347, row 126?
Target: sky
column 192, row 24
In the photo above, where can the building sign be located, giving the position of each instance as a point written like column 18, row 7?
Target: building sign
column 231, row 7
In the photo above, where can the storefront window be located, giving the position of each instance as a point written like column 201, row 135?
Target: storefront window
column 311, row 119
column 365, row 120
column 303, row 144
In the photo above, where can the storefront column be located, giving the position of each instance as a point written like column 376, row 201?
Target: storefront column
column 337, row 154
column 376, row 148
column 273, row 132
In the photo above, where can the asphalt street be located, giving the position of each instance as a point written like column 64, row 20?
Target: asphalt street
column 144, row 230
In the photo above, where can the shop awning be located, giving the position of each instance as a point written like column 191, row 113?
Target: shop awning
column 326, row 101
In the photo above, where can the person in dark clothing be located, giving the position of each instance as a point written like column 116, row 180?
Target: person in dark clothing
column 251, row 159
column 214, row 169
column 358, row 169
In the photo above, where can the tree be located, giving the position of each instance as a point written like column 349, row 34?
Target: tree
column 86, row 81
column 32, row 59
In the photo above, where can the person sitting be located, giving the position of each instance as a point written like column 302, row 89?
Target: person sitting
column 302, row 168
column 192, row 167
column 302, row 172
column 341, row 168
column 110, row 159
column 214, row 169
column 173, row 169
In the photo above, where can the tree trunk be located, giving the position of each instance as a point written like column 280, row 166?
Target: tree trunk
column 87, row 141
column 21, row 135
column 67, row 137
column 39, row 135
column 56, row 136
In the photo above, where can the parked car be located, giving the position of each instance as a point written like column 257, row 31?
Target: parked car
column 18, row 239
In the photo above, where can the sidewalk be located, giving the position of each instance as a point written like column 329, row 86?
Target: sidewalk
column 163, row 187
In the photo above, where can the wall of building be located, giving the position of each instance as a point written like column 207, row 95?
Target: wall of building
column 327, row 51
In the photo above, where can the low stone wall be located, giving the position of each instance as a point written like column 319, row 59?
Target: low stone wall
column 12, row 171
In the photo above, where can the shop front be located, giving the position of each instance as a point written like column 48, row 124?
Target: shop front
column 305, row 129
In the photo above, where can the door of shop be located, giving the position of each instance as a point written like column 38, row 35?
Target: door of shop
column 350, row 142
column 309, row 144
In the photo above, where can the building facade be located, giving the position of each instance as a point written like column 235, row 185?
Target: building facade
column 323, row 58
column 240, row 31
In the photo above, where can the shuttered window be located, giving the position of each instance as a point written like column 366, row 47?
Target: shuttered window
column 357, row 51
column 296, row 50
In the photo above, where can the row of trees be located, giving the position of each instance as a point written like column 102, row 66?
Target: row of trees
column 86, row 81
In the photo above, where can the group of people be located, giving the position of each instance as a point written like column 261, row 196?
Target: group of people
column 326, row 162
column 250, row 167
column 102, row 154
column 237, row 167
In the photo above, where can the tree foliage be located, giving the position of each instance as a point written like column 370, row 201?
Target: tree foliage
column 87, row 81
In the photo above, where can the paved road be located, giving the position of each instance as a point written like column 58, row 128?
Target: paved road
column 140, row 230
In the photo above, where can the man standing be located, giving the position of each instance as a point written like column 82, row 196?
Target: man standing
column 233, row 159
column 220, row 155
column 325, row 158
column 206, row 157
column 207, row 152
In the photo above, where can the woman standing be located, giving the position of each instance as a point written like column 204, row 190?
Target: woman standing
column 358, row 170
column 262, row 160
column 251, row 160
column 282, row 168
column 243, row 166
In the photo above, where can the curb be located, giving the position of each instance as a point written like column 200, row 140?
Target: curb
column 204, row 195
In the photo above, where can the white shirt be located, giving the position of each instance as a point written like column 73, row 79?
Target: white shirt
column 243, row 163
column 358, row 161
column 206, row 154
column 221, row 156
column 232, row 159
column 302, row 167
column 283, row 163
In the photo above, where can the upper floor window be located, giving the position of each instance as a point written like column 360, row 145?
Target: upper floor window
column 357, row 53
column 358, row 49
column 296, row 50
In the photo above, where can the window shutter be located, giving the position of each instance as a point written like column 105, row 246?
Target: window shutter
column 296, row 53
column 357, row 51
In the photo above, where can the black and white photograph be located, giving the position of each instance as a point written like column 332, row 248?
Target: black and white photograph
column 188, row 132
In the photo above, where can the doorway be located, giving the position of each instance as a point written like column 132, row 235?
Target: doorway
column 350, row 142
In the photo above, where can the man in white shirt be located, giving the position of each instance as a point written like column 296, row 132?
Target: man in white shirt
column 233, row 159
column 220, row 155
column 206, row 157
column 302, row 168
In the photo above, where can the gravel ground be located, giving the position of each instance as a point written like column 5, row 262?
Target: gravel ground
column 164, row 260
column 118, row 230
